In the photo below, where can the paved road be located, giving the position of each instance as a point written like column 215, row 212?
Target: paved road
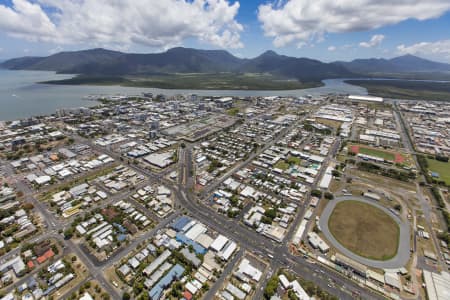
column 117, row 256
column 258, row 244
column 248, row 239
column 226, row 271
column 425, row 206
column 212, row 186
column 398, row 261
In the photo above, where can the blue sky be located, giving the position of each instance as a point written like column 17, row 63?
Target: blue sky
column 328, row 30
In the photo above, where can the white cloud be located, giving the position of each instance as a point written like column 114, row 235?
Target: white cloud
column 300, row 45
column 294, row 21
column 118, row 24
column 55, row 50
column 26, row 20
column 374, row 41
column 332, row 48
column 438, row 50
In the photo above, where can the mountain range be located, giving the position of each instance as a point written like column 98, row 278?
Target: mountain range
column 102, row 62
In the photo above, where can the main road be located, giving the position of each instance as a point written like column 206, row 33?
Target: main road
column 425, row 206
column 258, row 244
column 255, row 243
column 248, row 239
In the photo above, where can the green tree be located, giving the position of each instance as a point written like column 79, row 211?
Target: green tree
column 328, row 196
column 271, row 213
column 68, row 233
column 316, row 193
column 271, row 287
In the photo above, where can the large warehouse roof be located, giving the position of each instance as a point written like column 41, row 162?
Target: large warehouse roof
column 437, row 285
column 365, row 98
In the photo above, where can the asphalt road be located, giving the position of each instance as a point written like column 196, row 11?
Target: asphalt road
column 248, row 239
column 256, row 243
column 425, row 206
column 211, row 187
column 226, row 271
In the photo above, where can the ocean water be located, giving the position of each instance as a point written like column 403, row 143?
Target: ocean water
column 21, row 95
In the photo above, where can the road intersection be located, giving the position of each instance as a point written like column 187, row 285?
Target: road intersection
column 277, row 254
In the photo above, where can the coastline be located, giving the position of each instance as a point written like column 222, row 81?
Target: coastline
column 21, row 97
column 433, row 90
column 226, row 82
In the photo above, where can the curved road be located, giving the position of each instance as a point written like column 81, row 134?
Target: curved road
column 398, row 261
column 251, row 241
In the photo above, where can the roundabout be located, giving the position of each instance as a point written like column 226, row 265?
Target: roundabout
column 366, row 232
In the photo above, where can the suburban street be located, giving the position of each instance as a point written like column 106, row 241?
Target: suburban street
column 224, row 150
column 277, row 255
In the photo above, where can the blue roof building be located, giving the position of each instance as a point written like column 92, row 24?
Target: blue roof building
column 174, row 274
column 180, row 237
column 121, row 237
column 120, row 228
column 180, row 223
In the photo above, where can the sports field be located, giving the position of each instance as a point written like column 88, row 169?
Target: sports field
column 440, row 167
column 365, row 230
column 386, row 155
column 329, row 123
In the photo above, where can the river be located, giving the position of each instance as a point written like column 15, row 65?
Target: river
column 21, row 96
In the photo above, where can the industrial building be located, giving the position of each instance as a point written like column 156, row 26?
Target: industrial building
column 437, row 285
column 358, row 98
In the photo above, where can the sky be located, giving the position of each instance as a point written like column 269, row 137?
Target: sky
column 327, row 30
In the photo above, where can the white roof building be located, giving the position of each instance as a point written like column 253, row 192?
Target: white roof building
column 228, row 251
column 392, row 279
column 42, row 179
column 317, row 242
column 437, row 285
column 195, row 231
column 299, row 291
column 284, row 281
column 86, row 296
column 365, row 98
column 219, row 243
column 246, row 268
column 326, row 178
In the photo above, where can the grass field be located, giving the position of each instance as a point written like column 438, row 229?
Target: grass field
column 330, row 123
column 378, row 153
column 233, row 111
column 443, row 168
column 281, row 164
column 204, row 81
column 403, row 89
column 365, row 230
column 386, row 155
column 294, row 160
